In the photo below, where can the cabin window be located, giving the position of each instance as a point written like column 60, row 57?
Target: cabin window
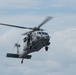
column 39, row 32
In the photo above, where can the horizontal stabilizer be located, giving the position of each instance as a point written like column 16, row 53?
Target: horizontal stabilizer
column 27, row 56
column 17, row 56
column 12, row 55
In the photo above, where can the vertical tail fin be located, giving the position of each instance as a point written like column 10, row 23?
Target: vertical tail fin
column 17, row 46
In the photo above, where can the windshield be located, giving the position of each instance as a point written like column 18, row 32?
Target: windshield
column 44, row 33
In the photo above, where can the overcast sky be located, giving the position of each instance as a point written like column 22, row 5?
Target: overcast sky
column 61, row 57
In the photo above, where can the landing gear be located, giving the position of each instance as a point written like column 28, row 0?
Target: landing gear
column 46, row 48
column 22, row 61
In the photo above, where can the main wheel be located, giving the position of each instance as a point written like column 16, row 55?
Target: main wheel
column 22, row 61
column 46, row 48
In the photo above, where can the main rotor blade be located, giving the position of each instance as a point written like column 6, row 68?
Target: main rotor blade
column 15, row 26
column 46, row 20
column 27, row 33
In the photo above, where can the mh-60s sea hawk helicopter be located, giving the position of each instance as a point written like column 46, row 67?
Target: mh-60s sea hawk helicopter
column 34, row 41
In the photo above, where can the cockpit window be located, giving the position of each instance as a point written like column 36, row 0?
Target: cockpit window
column 44, row 33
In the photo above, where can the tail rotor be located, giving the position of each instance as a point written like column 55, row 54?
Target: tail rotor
column 17, row 46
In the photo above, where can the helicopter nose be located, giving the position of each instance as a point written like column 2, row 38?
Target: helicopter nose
column 46, row 38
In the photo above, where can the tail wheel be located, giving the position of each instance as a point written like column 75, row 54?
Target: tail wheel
column 46, row 48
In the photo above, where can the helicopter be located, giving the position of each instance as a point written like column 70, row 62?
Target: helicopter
column 34, row 41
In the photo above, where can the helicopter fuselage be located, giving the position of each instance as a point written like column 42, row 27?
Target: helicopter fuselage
column 38, row 40
column 34, row 41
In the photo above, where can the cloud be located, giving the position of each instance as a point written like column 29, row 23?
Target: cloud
column 19, row 4
column 37, row 4
column 62, row 4
column 60, row 57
